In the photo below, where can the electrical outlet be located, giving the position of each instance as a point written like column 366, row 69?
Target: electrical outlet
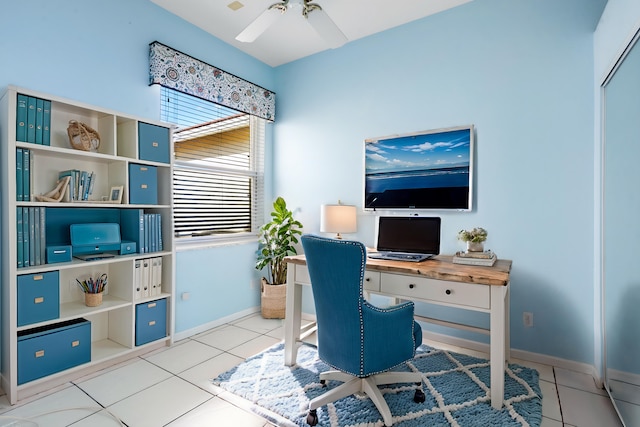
column 527, row 319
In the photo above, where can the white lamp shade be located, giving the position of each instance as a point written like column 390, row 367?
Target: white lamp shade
column 338, row 219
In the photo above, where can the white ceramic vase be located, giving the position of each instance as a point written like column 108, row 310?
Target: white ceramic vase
column 475, row 246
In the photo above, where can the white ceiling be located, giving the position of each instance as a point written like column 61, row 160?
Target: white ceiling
column 291, row 37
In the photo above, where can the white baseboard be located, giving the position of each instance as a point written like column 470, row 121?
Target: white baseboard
column 214, row 324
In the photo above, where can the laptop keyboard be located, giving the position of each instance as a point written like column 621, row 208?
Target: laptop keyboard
column 399, row 256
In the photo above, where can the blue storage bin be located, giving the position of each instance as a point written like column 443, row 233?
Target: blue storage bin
column 58, row 254
column 151, row 321
column 143, row 184
column 53, row 348
column 153, row 143
column 38, row 297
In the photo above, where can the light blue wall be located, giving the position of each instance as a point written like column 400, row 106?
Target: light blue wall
column 96, row 51
column 216, row 288
column 522, row 72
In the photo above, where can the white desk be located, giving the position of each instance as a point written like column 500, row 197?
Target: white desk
column 436, row 281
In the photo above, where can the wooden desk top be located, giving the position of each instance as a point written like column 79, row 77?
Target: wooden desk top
column 440, row 267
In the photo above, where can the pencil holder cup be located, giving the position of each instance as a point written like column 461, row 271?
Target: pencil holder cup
column 93, row 300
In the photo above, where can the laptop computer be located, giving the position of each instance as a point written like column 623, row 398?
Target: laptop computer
column 407, row 238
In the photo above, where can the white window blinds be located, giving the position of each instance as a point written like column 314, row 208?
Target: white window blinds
column 218, row 170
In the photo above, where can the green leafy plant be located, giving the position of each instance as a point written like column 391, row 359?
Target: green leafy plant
column 476, row 235
column 277, row 238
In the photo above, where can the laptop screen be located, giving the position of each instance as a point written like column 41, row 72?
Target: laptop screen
column 409, row 234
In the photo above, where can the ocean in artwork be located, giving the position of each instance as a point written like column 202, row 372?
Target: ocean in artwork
column 424, row 178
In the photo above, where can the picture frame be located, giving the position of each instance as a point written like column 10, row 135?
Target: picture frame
column 115, row 195
column 427, row 170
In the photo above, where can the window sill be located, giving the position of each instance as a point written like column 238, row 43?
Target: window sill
column 195, row 243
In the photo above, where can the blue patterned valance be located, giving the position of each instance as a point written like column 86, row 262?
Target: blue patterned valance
column 175, row 70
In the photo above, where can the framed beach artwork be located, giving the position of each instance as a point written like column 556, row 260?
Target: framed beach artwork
column 429, row 170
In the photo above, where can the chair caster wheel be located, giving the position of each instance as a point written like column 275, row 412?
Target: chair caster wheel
column 419, row 397
column 312, row 418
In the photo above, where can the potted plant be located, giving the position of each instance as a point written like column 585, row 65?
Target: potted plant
column 277, row 239
column 475, row 238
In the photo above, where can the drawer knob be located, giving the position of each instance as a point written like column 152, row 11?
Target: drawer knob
column 367, row 279
column 448, row 292
column 411, row 286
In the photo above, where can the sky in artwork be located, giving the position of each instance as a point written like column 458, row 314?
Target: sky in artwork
column 419, row 151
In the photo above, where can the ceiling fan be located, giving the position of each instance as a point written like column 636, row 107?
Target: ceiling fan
column 312, row 12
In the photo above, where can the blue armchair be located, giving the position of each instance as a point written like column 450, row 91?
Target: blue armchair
column 361, row 341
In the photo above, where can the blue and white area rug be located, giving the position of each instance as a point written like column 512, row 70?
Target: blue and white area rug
column 456, row 387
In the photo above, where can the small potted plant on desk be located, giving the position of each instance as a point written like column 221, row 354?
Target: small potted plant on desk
column 277, row 238
column 93, row 289
column 475, row 238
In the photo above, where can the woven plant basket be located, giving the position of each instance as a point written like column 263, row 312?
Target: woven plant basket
column 83, row 137
column 273, row 300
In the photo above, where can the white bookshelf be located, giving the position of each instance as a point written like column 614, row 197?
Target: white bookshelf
column 113, row 323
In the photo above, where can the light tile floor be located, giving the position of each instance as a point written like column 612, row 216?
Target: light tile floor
column 172, row 387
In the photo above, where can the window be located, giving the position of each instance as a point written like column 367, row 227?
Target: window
column 218, row 176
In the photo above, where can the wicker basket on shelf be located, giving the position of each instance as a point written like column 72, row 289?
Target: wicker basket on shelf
column 83, row 137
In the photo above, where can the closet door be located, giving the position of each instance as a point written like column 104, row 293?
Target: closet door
column 621, row 243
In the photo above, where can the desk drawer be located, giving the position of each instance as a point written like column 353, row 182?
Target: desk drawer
column 371, row 278
column 412, row 287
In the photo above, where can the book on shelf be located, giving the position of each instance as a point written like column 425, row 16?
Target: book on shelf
column 26, row 175
column 39, row 120
column 19, row 174
column 486, row 258
column 148, row 277
column 46, row 123
column 43, row 235
column 19, row 238
column 73, row 182
column 137, row 277
column 31, row 236
column 31, row 119
column 81, row 184
column 25, row 236
column 156, row 275
column 145, row 229
column 146, row 270
column 35, row 241
column 21, row 118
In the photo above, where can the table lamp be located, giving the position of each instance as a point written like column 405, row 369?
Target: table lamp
column 338, row 219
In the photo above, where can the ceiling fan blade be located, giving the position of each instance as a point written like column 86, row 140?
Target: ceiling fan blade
column 259, row 25
column 326, row 28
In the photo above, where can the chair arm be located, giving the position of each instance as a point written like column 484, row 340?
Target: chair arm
column 388, row 336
